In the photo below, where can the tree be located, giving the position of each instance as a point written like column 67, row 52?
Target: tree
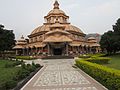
column 107, row 41
column 111, row 39
column 6, row 39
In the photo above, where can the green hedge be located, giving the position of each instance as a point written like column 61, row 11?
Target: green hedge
column 106, row 76
column 97, row 55
column 99, row 60
column 84, row 56
column 25, row 57
column 92, row 55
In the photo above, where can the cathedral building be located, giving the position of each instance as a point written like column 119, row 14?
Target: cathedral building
column 56, row 37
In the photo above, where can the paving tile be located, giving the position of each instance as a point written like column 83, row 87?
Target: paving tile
column 60, row 75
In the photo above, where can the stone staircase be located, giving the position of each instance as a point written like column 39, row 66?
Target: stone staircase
column 58, row 57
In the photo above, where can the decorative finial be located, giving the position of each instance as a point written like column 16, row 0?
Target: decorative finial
column 22, row 37
column 56, row 5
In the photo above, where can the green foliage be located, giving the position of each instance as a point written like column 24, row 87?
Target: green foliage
column 97, row 55
column 114, row 62
column 13, row 64
column 106, row 76
column 7, row 74
column 6, row 39
column 22, row 73
column 96, row 58
column 99, row 60
column 25, row 57
column 84, row 56
column 10, row 84
column 10, row 76
column 92, row 55
column 37, row 65
column 111, row 39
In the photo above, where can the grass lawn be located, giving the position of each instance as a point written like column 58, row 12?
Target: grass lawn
column 114, row 62
column 7, row 73
column 11, row 74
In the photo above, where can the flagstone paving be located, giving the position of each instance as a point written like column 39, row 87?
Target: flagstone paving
column 60, row 75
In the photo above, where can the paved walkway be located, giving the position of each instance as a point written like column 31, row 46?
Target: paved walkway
column 60, row 75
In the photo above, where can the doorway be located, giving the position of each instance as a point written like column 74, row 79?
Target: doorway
column 57, row 51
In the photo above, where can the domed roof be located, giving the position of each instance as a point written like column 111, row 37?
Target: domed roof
column 91, row 38
column 73, row 28
column 47, row 28
column 56, row 11
column 40, row 29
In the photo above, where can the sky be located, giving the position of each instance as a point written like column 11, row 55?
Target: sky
column 91, row 16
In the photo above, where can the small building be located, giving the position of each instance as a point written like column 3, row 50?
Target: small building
column 56, row 37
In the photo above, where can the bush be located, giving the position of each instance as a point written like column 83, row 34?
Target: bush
column 10, row 84
column 97, row 55
column 37, row 65
column 30, row 68
column 84, row 56
column 7, row 85
column 25, row 57
column 106, row 76
column 22, row 74
column 99, row 60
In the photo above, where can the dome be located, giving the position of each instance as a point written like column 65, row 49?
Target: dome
column 56, row 11
column 47, row 28
column 91, row 38
column 40, row 29
column 73, row 28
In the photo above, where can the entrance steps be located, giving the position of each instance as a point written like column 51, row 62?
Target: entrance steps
column 58, row 57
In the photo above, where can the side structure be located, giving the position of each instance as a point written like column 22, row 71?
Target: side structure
column 56, row 37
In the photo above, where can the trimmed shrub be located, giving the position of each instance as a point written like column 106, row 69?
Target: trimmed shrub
column 25, row 57
column 107, row 76
column 37, row 65
column 99, row 60
column 84, row 56
column 97, row 55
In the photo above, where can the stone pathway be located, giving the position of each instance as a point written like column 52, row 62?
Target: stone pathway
column 60, row 75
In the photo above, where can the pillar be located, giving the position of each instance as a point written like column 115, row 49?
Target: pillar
column 82, row 49
column 27, row 51
column 16, row 52
column 23, row 51
column 48, row 49
column 67, row 49
column 36, row 50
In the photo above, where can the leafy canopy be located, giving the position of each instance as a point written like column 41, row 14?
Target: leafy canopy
column 6, row 39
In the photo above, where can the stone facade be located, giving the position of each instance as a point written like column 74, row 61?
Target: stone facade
column 56, row 37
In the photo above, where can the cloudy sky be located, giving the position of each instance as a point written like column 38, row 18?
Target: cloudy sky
column 91, row 16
